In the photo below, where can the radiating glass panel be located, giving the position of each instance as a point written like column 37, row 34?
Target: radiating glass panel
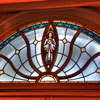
column 18, row 43
column 38, row 48
column 73, row 70
column 93, row 48
column 83, row 59
column 8, row 70
column 90, row 69
column 5, row 78
column 35, row 74
column 82, row 40
column 16, row 62
column 35, row 62
column 61, row 47
column 61, row 74
column 39, row 33
column 76, row 53
column 28, row 67
column 20, row 77
column 61, row 32
column 69, row 66
column 23, row 54
column 63, row 80
column 2, row 63
column 67, row 47
column 62, row 61
column 78, row 80
column 39, row 58
column 42, row 69
column 70, row 34
column 8, row 51
column 58, row 59
column 24, row 71
column 54, row 69
column 93, row 77
column 32, row 50
column 18, row 80
column 30, row 36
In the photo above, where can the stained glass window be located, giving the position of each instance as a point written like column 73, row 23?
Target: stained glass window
column 74, row 55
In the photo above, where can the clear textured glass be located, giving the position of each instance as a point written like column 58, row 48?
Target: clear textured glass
column 58, row 59
column 23, row 54
column 32, row 49
column 8, row 70
column 24, row 71
column 73, row 70
column 70, row 34
column 39, row 33
column 54, row 69
column 90, row 69
column 62, row 61
column 78, row 80
column 30, row 36
column 97, row 61
column 76, row 53
column 93, row 48
column 28, row 67
column 16, row 61
column 61, row 32
column 83, row 59
column 18, row 43
column 61, row 74
column 61, row 47
column 2, row 63
column 39, row 58
column 93, row 77
column 69, row 66
column 66, row 51
column 5, row 78
column 20, row 77
column 81, row 38
column 42, row 69
column 8, row 51
column 38, row 48
column 35, row 62
column 35, row 74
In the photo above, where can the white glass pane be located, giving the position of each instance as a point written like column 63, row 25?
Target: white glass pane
column 54, row 69
column 38, row 48
column 69, row 66
column 18, row 43
column 73, row 70
column 76, row 53
column 47, row 78
column 31, row 80
column 66, row 51
column 61, row 47
column 16, row 62
column 30, row 36
column 61, row 74
column 2, row 63
column 8, row 51
column 28, row 67
column 17, row 80
column 23, row 54
column 39, row 33
column 61, row 32
column 93, row 48
column 62, row 61
column 32, row 50
column 70, row 34
column 42, row 69
column 93, row 77
column 58, row 59
column 83, row 59
column 24, row 71
column 5, row 78
column 90, row 69
column 77, row 80
column 8, row 70
column 63, row 80
column 39, row 58
column 82, row 40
